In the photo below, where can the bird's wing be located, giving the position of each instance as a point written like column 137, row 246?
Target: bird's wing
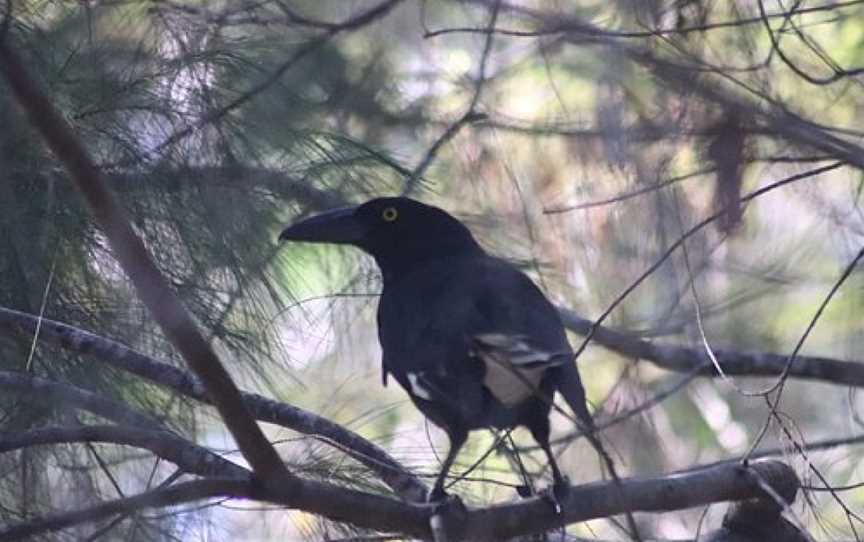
column 517, row 350
column 514, row 367
column 521, row 321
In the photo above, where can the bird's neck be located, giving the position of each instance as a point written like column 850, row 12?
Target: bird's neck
column 395, row 264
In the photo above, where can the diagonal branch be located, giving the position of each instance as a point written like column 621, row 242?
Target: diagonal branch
column 130, row 252
column 552, row 28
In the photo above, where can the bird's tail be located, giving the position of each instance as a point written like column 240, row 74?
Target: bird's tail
column 571, row 389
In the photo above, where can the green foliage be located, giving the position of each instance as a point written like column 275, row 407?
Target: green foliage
column 216, row 124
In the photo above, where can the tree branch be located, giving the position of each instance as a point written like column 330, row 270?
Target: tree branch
column 686, row 489
column 187, row 456
column 404, row 483
column 117, row 355
column 683, row 359
column 46, row 390
column 181, row 493
column 552, row 28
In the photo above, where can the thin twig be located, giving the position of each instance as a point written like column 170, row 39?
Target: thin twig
column 656, row 265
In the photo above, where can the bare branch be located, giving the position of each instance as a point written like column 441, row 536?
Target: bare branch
column 683, row 359
column 181, row 493
column 775, row 46
column 551, row 27
column 685, row 489
column 188, row 457
column 692, row 230
column 122, row 357
column 776, row 119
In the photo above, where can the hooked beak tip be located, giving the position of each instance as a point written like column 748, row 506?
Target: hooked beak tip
column 339, row 226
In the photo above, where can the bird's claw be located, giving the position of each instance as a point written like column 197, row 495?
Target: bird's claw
column 444, row 506
column 436, row 495
column 557, row 494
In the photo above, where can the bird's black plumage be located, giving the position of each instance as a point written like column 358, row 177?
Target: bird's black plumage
column 470, row 338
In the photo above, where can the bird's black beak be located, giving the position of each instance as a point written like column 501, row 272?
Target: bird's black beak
column 340, row 226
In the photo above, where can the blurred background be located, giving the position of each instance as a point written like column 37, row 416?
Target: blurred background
column 579, row 139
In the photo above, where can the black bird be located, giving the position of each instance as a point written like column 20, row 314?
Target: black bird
column 470, row 338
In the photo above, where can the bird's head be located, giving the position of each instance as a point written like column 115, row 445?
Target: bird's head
column 398, row 232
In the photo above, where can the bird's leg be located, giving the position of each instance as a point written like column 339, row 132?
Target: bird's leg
column 560, row 483
column 445, row 505
column 457, row 439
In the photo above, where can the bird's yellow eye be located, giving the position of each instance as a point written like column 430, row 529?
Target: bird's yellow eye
column 390, row 214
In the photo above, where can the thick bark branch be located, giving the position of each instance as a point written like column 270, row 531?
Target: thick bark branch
column 694, row 487
column 187, row 456
column 130, row 252
column 682, row 359
column 117, row 355
column 687, row 489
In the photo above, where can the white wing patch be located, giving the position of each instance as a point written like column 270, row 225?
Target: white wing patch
column 417, row 388
column 514, row 368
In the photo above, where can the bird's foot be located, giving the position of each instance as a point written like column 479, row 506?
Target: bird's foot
column 557, row 493
column 444, row 506
column 436, row 495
